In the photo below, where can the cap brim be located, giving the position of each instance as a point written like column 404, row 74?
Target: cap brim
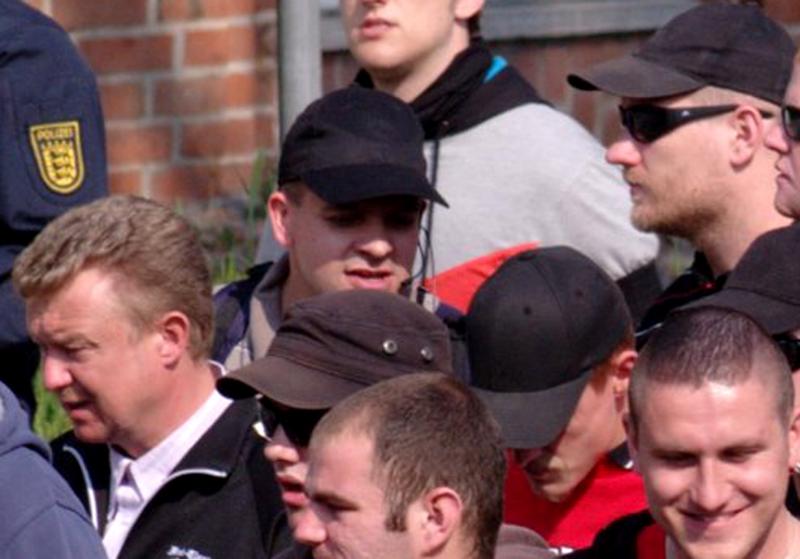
column 287, row 382
column 776, row 317
column 354, row 183
column 534, row 419
column 634, row 77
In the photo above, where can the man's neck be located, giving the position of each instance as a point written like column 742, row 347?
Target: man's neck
column 408, row 83
column 193, row 384
column 724, row 248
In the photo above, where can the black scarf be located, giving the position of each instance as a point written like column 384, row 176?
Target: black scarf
column 460, row 99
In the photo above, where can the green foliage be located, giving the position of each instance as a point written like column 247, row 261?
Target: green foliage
column 50, row 420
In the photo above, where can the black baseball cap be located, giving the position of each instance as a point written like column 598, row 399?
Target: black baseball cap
column 535, row 331
column 357, row 144
column 332, row 345
column 731, row 46
column 765, row 284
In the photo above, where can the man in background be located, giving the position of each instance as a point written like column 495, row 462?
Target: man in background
column 551, row 347
column 698, row 100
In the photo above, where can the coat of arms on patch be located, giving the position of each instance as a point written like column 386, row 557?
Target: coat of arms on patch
column 59, row 156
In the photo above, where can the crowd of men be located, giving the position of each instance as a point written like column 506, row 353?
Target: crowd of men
column 461, row 351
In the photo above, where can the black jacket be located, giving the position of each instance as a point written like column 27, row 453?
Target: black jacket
column 221, row 500
column 618, row 540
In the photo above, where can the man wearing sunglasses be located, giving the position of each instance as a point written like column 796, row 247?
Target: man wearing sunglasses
column 698, row 100
column 326, row 348
column 784, row 140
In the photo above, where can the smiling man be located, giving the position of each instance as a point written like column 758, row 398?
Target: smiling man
column 352, row 188
column 118, row 298
column 714, row 433
column 698, row 100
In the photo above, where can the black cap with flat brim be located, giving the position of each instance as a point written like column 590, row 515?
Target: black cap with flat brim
column 357, row 144
column 536, row 330
column 765, row 284
column 730, row 46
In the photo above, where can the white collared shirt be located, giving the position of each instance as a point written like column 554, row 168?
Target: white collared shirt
column 135, row 482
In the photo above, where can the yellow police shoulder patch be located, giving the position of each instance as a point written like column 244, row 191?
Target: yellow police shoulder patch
column 59, row 156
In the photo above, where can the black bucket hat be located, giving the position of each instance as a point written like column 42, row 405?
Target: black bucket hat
column 333, row 345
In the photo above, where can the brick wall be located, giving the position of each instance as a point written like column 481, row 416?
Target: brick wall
column 188, row 89
column 189, row 86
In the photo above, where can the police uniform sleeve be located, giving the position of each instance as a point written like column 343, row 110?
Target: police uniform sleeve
column 52, row 151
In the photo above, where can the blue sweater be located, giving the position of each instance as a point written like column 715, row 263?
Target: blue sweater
column 40, row 517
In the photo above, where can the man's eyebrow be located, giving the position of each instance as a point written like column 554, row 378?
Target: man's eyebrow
column 332, row 498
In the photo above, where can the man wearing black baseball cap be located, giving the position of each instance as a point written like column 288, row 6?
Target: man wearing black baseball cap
column 698, row 100
column 327, row 348
column 352, row 188
column 551, row 349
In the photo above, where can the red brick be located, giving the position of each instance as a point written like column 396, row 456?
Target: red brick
column 125, row 182
column 228, row 137
column 138, row 144
column 172, row 10
column 214, row 93
column 338, row 70
column 80, row 14
column 218, row 46
column 200, row 181
column 584, row 109
column 122, row 100
column 556, row 59
column 610, row 127
column 784, row 11
column 123, row 54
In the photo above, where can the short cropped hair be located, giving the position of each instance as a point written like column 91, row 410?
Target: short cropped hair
column 153, row 254
column 711, row 344
column 429, row 430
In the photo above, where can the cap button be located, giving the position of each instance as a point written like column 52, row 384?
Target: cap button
column 389, row 347
column 427, row 354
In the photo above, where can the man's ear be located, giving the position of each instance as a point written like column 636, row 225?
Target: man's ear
column 620, row 369
column 465, row 9
column 794, row 438
column 279, row 212
column 750, row 130
column 173, row 330
column 435, row 519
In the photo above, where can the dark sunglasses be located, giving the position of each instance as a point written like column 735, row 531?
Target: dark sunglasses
column 790, row 118
column 297, row 424
column 647, row 123
column 790, row 347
